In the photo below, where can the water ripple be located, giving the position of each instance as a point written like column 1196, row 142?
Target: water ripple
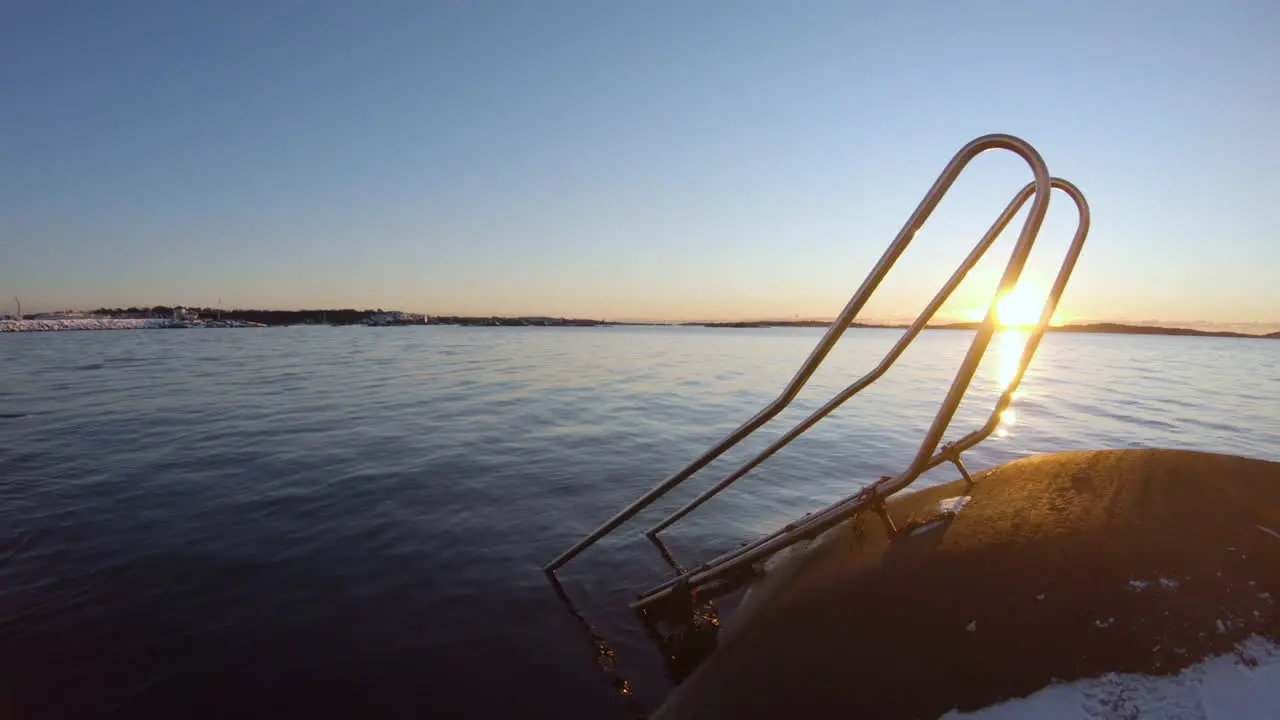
column 353, row 520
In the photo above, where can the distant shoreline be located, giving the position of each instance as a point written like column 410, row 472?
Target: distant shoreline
column 1091, row 328
column 119, row 318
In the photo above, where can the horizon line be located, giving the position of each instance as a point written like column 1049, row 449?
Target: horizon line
column 1266, row 326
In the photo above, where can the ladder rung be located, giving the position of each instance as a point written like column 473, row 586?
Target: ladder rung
column 928, row 454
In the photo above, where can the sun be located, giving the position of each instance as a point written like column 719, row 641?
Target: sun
column 1020, row 308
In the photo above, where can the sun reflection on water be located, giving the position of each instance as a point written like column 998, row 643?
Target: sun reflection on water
column 1012, row 342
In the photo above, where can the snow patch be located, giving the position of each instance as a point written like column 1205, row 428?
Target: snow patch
column 973, row 626
column 89, row 323
column 954, row 505
column 927, row 527
column 1242, row 685
column 947, row 507
column 1139, row 584
column 1168, row 584
column 53, row 325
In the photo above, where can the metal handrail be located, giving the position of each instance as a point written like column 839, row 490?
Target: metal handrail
column 1030, row 228
column 891, row 357
column 875, row 493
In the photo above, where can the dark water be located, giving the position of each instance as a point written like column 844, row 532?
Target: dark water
column 320, row 522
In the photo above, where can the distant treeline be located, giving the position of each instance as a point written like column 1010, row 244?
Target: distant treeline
column 349, row 316
column 513, row 321
column 783, row 323
column 345, row 316
column 1099, row 328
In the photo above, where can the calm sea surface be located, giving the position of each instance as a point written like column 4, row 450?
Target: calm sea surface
column 350, row 521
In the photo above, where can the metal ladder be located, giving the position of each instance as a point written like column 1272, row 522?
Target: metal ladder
column 706, row 578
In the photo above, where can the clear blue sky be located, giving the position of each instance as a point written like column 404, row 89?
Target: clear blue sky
column 627, row 159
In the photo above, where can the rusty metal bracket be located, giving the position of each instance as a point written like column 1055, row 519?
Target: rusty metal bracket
column 882, row 510
column 951, row 453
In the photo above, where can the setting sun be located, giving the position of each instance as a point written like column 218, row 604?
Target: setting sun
column 1020, row 308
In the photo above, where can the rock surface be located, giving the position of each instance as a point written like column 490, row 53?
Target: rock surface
column 1058, row 568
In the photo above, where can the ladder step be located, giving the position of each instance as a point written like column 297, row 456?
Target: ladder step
column 743, row 558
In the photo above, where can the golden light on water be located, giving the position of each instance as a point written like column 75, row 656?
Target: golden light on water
column 1016, row 313
column 1012, row 342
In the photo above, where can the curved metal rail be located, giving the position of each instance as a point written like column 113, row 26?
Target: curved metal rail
column 1027, row 236
column 892, row 356
column 928, row 456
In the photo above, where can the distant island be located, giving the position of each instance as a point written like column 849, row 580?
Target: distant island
column 533, row 321
column 1099, row 328
column 179, row 316
column 331, row 316
column 164, row 316
column 171, row 316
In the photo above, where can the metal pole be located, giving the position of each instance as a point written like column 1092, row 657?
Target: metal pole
column 868, row 496
column 907, row 338
column 851, row 310
column 1024, row 360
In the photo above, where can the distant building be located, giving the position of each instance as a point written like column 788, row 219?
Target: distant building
column 396, row 318
column 59, row 315
column 544, row 321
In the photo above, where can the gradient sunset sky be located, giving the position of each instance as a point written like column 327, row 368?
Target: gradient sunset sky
column 629, row 160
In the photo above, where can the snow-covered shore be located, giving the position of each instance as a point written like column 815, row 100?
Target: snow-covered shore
column 1244, row 685
column 51, row 325
column 63, row 324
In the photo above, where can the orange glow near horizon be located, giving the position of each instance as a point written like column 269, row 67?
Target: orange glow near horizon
column 1019, row 308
